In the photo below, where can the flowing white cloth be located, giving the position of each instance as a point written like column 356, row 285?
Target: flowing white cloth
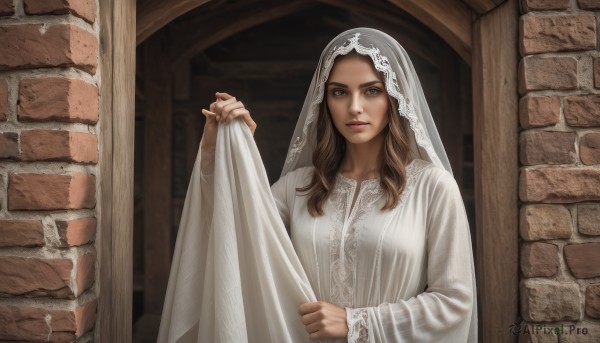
column 235, row 276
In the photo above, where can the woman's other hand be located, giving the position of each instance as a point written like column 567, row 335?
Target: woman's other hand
column 324, row 320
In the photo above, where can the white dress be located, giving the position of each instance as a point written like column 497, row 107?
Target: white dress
column 405, row 274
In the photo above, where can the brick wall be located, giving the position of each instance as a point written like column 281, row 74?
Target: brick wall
column 48, row 155
column 559, row 186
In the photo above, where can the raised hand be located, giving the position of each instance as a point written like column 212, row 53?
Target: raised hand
column 227, row 108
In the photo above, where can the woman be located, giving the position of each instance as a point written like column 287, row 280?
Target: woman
column 367, row 195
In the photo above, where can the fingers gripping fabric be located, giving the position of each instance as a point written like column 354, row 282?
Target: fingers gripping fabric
column 235, row 276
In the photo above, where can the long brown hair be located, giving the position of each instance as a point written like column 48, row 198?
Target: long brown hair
column 329, row 152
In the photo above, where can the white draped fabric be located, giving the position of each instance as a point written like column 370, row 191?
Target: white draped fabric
column 235, row 276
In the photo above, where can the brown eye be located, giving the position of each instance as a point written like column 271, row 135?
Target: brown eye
column 337, row 92
column 373, row 91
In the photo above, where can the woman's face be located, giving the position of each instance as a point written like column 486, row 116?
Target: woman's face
column 357, row 99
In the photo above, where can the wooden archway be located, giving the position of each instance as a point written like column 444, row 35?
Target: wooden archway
column 451, row 19
column 482, row 32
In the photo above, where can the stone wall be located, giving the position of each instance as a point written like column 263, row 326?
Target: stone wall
column 559, row 85
column 48, row 160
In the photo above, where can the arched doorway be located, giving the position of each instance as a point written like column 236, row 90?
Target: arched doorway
column 453, row 21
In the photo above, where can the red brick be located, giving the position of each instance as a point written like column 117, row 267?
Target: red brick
column 85, row 9
column 9, row 145
column 589, row 4
column 58, row 145
column 549, row 301
column 51, row 192
column 547, row 147
column 589, row 148
column 539, row 259
column 7, row 7
column 539, row 73
column 3, row 100
column 21, row 233
column 538, row 222
column 86, row 268
column 74, row 322
column 582, row 110
column 537, row 111
column 588, row 219
column 27, row 46
column 559, row 185
column 76, row 232
column 23, row 324
column 60, row 99
column 583, row 259
column 36, row 277
column 552, row 33
column 545, row 5
column 592, row 300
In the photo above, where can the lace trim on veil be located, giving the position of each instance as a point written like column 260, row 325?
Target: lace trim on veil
column 382, row 64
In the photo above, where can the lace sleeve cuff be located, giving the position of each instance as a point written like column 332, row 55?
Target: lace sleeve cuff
column 358, row 325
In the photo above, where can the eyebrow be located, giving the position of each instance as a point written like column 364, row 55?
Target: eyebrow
column 366, row 84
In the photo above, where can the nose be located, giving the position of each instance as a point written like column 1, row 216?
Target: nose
column 356, row 106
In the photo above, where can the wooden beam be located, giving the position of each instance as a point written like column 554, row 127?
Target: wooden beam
column 451, row 19
column 416, row 43
column 495, row 100
column 154, row 14
column 157, row 173
column 205, row 31
column 264, row 69
column 482, row 6
column 403, row 27
column 114, row 209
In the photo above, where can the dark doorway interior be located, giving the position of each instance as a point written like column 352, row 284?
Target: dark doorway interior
column 269, row 66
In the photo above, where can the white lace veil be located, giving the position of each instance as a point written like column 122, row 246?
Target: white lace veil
column 401, row 82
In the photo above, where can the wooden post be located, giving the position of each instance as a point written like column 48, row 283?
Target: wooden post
column 115, row 181
column 495, row 111
column 157, row 181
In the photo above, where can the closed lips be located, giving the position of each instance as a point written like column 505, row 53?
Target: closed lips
column 356, row 123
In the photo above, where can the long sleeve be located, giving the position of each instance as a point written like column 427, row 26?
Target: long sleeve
column 207, row 177
column 284, row 192
column 207, row 163
column 279, row 194
column 443, row 312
